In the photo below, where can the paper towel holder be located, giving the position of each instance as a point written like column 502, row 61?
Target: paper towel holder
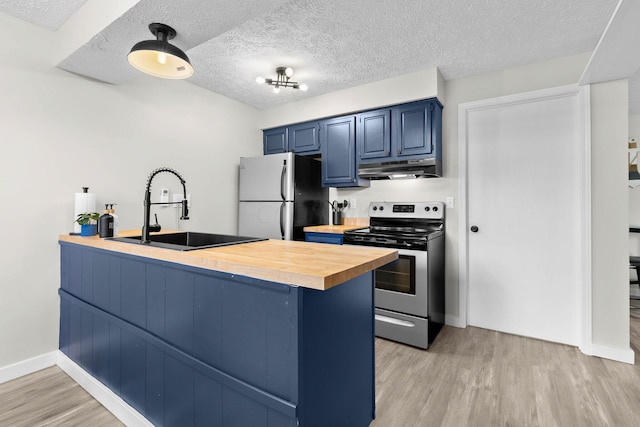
column 77, row 227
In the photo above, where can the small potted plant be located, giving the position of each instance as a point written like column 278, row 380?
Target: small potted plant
column 88, row 224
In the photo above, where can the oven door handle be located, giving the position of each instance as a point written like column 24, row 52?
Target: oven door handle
column 393, row 321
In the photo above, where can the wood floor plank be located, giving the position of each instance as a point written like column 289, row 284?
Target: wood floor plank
column 50, row 398
column 476, row 377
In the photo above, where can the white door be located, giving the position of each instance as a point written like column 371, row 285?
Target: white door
column 524, row 166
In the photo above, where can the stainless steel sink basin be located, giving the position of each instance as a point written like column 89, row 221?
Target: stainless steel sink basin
column 188, row 240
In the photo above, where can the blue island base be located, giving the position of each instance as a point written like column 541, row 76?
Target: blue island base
column 187, row 346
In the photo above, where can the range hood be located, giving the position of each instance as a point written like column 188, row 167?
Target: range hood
column 401, row 169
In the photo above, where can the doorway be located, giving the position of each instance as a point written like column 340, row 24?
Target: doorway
column 524, row 227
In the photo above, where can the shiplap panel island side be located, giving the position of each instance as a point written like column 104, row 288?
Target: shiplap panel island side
column 231, row 336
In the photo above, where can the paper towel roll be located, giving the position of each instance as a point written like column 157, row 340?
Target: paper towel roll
column 85, row 202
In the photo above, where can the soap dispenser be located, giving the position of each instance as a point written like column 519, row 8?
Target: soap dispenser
column 105, row 223
column 116, row 223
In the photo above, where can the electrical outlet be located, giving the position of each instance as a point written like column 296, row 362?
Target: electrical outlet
column 449, row 202
column 352, row 203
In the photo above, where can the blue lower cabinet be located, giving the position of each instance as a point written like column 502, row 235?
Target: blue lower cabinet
column 331, row 238
column 215, row 349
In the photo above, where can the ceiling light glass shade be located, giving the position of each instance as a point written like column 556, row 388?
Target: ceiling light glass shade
column 160, row 58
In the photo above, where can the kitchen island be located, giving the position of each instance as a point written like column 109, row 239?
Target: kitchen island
column 270, row 333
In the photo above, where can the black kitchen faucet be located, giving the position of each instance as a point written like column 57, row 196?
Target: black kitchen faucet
column 146, row 229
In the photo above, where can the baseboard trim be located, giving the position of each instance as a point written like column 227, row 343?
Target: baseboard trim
column 619, row 355
column 28, row 366
column 114, row 404
column 454, row 321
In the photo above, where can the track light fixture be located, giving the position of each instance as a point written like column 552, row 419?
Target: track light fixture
column 282, row 80
column 159, row 57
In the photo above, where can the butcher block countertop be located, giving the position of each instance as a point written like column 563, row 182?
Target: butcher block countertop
column 332, row 229
column 349, row 224
column 310, row 265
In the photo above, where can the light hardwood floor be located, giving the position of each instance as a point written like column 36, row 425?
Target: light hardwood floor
column 476, row 377
column 468, row 377
column 50, row 398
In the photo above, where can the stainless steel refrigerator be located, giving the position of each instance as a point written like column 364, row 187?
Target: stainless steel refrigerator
column 279, row 195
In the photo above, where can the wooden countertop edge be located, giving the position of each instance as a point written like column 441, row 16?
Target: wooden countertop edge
column 349, row 224
column 331, row 269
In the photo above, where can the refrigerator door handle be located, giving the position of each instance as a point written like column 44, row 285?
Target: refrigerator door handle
column 282, row 176
column 282, row 220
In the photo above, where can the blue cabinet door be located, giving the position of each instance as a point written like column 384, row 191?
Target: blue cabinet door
column 338, row 146
column 304, row 138
column 276, row 140
column 374, row 134
column 330, row 238
column 412, row 127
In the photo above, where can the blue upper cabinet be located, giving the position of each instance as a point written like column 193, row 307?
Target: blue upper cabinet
column 304, row 138
column 374, row 134
column 338, row 146
column 276, row 140
column 406, row 131
column 412, row 126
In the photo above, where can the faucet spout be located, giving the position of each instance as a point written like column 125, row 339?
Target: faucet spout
column 147, row 201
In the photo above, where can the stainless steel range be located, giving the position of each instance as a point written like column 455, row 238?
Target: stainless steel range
column 409, row 294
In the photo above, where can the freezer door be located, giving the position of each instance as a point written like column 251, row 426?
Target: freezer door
column 271, row 220
column 267, row 178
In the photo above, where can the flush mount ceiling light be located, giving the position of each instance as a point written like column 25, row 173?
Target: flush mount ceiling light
column 284, row 74
column 159, row 57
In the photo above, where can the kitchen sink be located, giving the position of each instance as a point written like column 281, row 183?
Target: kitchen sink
column 188, row 240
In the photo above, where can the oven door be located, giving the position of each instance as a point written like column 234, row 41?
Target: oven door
column 402, row 285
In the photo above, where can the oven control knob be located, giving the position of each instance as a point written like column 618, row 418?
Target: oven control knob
column 375, row 208
column 381, row 208
column 427, row 208
column 435, row 209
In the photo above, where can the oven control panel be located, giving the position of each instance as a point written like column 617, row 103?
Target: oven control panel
column 426, row 210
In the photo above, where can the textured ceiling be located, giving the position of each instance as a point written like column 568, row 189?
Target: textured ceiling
column 50, row 14
column 332, row 44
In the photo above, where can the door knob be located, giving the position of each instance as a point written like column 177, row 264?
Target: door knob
column 474, row 228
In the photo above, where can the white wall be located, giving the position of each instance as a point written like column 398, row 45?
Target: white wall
column 510, row 81
column 409, row 87
column 610, row 214
column 61, row 132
